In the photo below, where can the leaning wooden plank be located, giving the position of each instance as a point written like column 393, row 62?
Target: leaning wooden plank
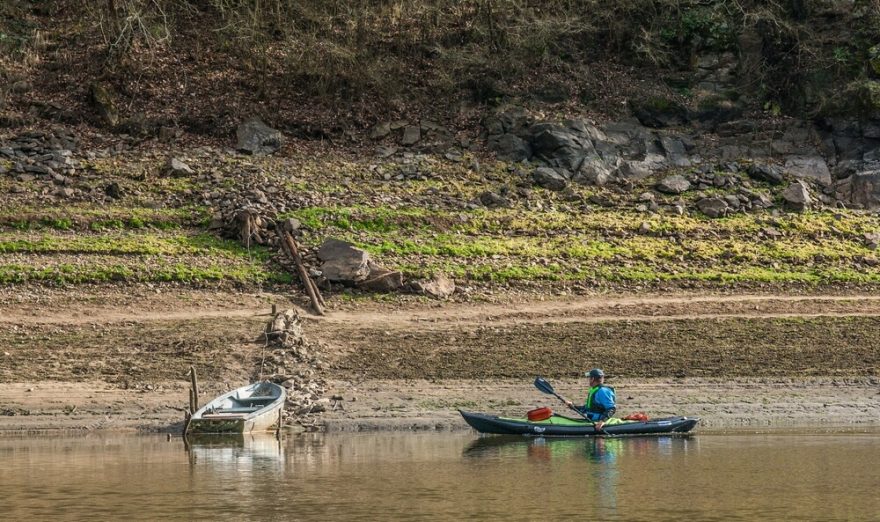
column 307, row 282
column 297, row 258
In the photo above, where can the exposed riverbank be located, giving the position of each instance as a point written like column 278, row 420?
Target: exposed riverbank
column 102, row 359
column 684, row 194
column 423, row 405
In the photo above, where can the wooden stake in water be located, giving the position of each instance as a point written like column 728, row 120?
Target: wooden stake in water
column 193, row 399
column 195, row 388
column 187, row 419
column 280, row 421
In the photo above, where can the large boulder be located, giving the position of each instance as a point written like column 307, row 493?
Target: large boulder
column 560, row 146
column 512, row 120
column 440, row 287
column 659, row 112
column 797, row 197
column 808, row 167
column 713, row 207
column 592, row 171
column 633, row 170
column 675, row 151
column 549, row 178
column 257, row 138
column 765, row 173
column 673, row 184
column 382, row 279
column 865, row 188
column 510, row 147
column 411, row 135
column 342, row 262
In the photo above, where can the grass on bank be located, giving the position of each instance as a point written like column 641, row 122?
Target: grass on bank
column 130, row 243
column 86, row 217
column 132, row 256
column 525, row 222
column 609, row 246
column 100, row 271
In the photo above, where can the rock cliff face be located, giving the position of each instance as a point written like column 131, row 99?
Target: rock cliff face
column 837, row 158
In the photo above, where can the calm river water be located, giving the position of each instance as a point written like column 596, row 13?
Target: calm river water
column 776, row 476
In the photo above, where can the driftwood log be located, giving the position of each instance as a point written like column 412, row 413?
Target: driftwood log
column 311, row 289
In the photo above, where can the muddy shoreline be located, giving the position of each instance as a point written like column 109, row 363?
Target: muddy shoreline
column 422, row 405
column 113, row 361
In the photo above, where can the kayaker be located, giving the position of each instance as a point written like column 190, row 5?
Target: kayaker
column 599, row 405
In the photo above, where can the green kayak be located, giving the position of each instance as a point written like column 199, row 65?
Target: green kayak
column 561, row 426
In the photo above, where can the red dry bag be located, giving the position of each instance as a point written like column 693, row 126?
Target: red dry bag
column 539, row 414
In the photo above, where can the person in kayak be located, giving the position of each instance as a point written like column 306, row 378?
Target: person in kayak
column 599, row 406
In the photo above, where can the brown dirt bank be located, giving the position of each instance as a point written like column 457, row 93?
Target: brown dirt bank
column 118, row 360
column 820, row 346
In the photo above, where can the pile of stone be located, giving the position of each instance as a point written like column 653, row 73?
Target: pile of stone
column 429, row 135
column 261, row 205
column 741, row 195
column 42, row 156
column 294, row 362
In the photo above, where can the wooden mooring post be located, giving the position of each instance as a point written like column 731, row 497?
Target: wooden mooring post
column 280, row 423
column 193, row 399
column 194, row 378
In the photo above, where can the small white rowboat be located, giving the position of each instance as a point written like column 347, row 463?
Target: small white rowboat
column 255, row 407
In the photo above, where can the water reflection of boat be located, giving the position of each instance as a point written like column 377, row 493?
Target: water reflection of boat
column 217, row 440
column 235, row 448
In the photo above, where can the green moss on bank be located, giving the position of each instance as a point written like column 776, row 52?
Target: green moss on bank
column 132, row 256
column 85, row 217
column 614, row 246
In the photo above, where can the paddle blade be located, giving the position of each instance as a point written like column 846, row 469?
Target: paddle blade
column 544, row 386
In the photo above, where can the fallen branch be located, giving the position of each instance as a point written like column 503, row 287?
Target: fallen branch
column 309, row 285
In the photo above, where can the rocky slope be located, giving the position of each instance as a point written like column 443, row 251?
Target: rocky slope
column 657, row 145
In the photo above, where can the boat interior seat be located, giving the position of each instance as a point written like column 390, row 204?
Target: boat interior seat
column 255, row 400
column 240, row 409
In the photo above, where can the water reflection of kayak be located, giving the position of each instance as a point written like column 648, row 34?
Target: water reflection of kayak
column 598, row 449
column 561, row 426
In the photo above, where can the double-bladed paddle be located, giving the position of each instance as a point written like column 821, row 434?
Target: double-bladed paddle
column 546, row 387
